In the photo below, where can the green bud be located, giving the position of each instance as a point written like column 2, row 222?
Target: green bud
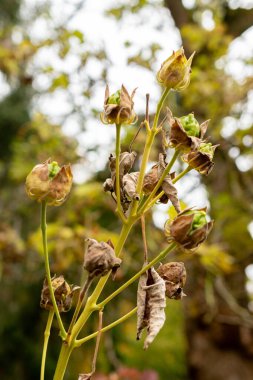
column 207, row 148
column 190, row 125
column 53, row 169
column 114, row 98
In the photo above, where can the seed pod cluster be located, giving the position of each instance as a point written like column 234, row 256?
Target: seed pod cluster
column 63, row 293
column 174, row 275
column 189, row 229
column 151, row 303
column 100, row 258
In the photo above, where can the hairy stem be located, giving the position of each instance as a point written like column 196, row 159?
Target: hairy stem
column 47, row 267
column 46, row 338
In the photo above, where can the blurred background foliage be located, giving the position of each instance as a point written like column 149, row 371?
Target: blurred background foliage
column 209, row 335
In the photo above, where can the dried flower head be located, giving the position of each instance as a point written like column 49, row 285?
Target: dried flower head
column 49, row 182
column 100, row 258
column 174, row 275
column 189, row 229
column 151, row 303
column 175, row 71
column 118, row 108
column 151, row 179
column 185, row 132
column 63, row 293
column 202, row 159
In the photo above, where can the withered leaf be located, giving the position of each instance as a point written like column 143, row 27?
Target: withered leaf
column 171, row 192
column 150, row 303
column 85, row 376
column 129, row 185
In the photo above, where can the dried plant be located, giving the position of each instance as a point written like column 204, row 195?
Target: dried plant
column 135, row 193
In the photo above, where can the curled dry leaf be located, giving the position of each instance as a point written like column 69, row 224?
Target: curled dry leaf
column 174, row 275
column 129, row 185
column 150, row 303
column 85, row 376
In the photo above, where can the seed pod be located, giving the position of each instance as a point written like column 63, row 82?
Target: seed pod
column 118, row 108
column 189, row 229
column 63, row 293
column 175, row 71
column 174, row 275
column 150, row 303
column 48, row 182
column 185, row 133
column 100, row 258
column 202, row 159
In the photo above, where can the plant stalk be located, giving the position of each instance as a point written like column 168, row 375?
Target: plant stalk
column 46, row 339
column 47, row 267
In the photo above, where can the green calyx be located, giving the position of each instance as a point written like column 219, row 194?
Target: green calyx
column 190, row 125
column 114, row 98
column 207, row 149
column 53, row 169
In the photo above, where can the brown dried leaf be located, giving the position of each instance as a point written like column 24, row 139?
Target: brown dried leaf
column 171, row 192
column 129, row 185
column 151, row 303
column 174, row 275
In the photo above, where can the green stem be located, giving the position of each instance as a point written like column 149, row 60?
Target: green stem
column 46, row 338
column 159, row 106
column 160, row 257
column 63, row 361
column 79, row 342
column 165, row 173
column 117, row 152
column 89, row 308
column 149, row 141
column 47, row 267
column 151, row 204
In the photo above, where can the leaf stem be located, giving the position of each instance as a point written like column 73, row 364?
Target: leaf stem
column 47, row 268
column 160, row 257
column 46, row 339
column 79, row 342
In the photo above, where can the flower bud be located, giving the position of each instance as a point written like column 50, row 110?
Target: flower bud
column 118, row 108
column 50, row 183
column 100, row 258
column 202, row 159
column 174, row 275
column 189, row 229
column 175, row 71
column 63, row 293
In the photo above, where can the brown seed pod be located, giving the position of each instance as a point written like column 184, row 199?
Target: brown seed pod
column 118, row 108
column 189, row 229
column 174, row 275
column 63, row 293
column 100, row 258
column 151, row 303
column 178, row 136
column 202, row 159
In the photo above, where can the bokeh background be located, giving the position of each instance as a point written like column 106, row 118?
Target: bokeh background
column 55, row 58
